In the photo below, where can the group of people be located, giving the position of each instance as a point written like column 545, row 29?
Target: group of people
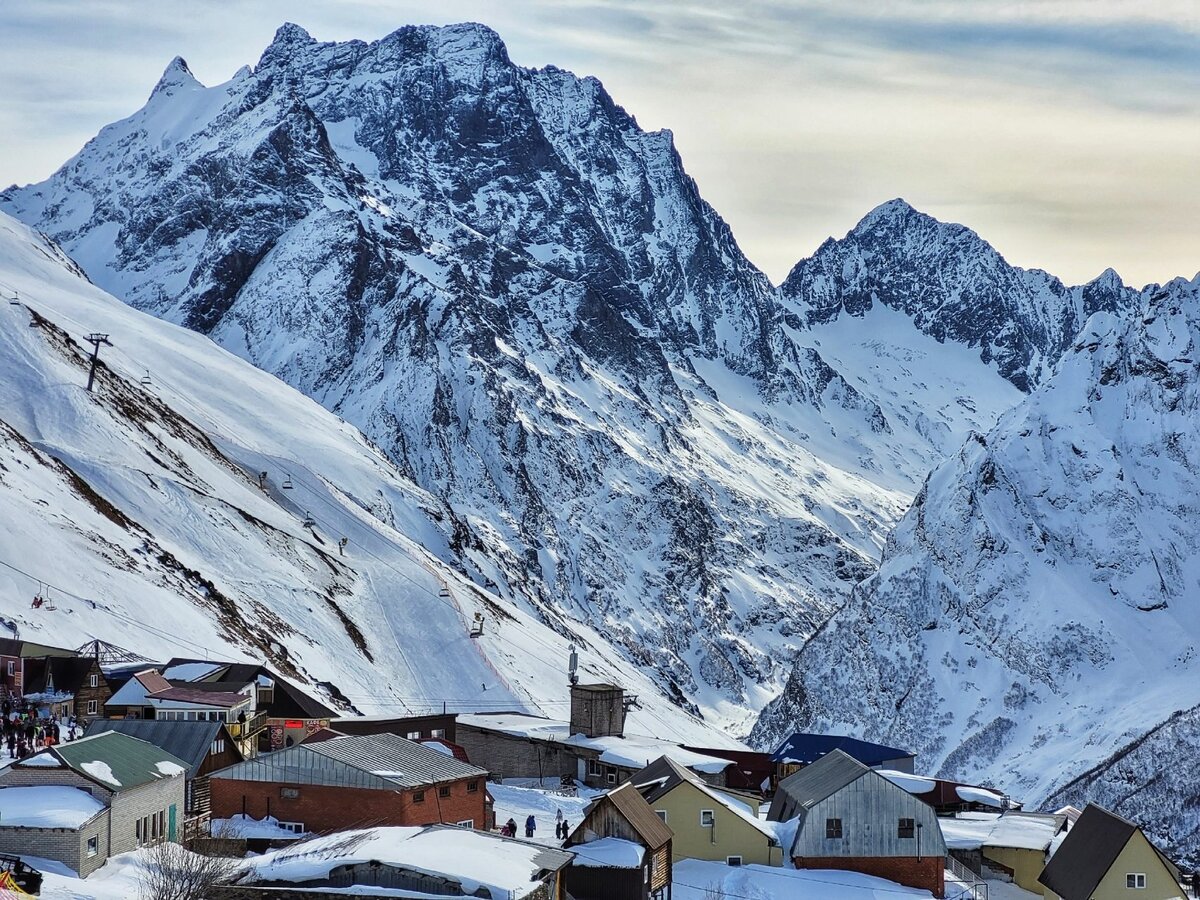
column 561, row 828
column 25, row 733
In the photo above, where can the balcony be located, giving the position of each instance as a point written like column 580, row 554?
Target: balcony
column 252, row 726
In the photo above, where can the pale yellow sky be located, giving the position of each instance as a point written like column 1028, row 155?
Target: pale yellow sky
column 1066, row 132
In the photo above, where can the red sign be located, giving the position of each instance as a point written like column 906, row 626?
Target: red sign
column 293, row 723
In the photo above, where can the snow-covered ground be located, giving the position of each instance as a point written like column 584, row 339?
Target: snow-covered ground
column 518, row 803
column 703, row 880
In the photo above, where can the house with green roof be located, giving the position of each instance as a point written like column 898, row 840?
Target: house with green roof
column 139, row 786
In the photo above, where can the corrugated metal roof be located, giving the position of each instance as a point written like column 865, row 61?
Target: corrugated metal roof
column 189, row 741
column 201, row 698
column 118, row 761
column 380, row 761
column 808, row 748
column 814, row 783
column 645, row 821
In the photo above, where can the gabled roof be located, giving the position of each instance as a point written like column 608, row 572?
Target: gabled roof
column 644, row 821
column 1088, row 852
column 814, row 783
column 288, row 702
column 188, row 741
column 67, row 674
column 382, row 761
column 113, row 760
column 664, row 775
column 201, row 698
column 808, row 748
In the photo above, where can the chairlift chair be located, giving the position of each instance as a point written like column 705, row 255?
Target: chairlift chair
column 146, row 382
column 15, row 299
column 309, row 521
column 287, row 483
column 477, row 626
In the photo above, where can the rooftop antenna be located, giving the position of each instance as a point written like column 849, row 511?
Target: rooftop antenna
column 573, row 666
column 95, row 340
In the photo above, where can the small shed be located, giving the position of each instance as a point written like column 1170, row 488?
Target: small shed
column 623, row 850
column 851, row 817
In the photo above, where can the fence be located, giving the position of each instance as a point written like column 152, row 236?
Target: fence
column 974, row 888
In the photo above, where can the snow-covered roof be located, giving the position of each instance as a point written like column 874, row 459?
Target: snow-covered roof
column 914, row 784
column 980, row 795
column 1022, row 831
column 632, row 751
column 47, row 806
column 609, row 853
column 474, row 859
column 191, row 671
column 242, row 826
column 696, row 879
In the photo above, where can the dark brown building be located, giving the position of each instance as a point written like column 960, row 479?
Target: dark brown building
column 440, row 726
column 623, row 850
column 66, row 686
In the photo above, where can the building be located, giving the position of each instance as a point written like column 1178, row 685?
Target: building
column 949, row 798
column 1105, row 856
column 204, row 747
column 622, row 850
column 751, row 770
column 851, row 817
column 708, row 822
column 355, row 781
column 439, row 726
column 13, row 654
column 1012, row 846
column 65, row 686
column 436, row 860
column 801, row 749
column 139, row 786
column 592, row 747
column 66, row 824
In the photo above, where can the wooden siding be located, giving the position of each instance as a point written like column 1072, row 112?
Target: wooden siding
column 870, row 808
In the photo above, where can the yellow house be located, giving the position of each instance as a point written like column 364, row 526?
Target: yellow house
column 1015, row 841
column 1105, row 857
column 709, row 822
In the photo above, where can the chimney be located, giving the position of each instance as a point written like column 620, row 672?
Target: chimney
column 598, row 710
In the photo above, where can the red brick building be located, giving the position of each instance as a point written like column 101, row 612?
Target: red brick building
column 356, row 781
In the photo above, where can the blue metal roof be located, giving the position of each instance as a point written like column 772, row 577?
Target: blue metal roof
column 808, row 748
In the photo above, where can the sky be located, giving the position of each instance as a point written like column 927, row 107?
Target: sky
column 1065, row 132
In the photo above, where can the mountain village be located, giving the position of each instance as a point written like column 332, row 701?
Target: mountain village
column 112, row 757
column 408, row 488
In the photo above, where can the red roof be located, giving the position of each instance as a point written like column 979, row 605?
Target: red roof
column 456, row 751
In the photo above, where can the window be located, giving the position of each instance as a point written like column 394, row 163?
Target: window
column 91, row 707
column 92, row 680
column 138, row 829
column 93, row 846
column 594, row 767
column 906, row 828
column 610, row 774
column 418, row 796
column 733, row 860
column 661, row 813
column 293, row 827
column 218, row 746
column 413, row 735
column 444, row 790
column 706, row 818
column 289, row 793
column 833, row 828
column 12, row 668
column 466, row 823
column 1135, row 880
column 472, row 787
column 438, row 733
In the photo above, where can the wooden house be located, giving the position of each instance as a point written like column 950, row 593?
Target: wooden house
column 851, row 817
column 1104, row 857
column 65, row 686
column 708, row 822
column 622, row 850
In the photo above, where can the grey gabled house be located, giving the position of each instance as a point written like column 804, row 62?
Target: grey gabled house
column 851, row 817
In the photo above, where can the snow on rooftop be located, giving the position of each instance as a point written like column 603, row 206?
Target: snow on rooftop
column 1023, row 832
column 633, row 751
column 980, row 795
column 101, row 771
column 914, row 784
column 47, row 806
column 608, row 853
column 43, row 760
column 192, row 671
column 474, row 859
column 242, row 826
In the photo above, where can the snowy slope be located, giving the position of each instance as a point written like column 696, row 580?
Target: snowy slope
column 139, row 505
column 1035, row 618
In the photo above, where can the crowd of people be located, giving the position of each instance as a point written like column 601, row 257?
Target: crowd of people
column 25, row 732
column 561, row 827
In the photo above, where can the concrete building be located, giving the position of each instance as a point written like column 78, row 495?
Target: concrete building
column 353, row 781
column 851, row 817
column 139, row 786
column 708, row 822
column 1106, row 857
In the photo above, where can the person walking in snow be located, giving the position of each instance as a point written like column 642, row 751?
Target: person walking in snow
column 12, row 745
column 530, row 826
column 510, row 828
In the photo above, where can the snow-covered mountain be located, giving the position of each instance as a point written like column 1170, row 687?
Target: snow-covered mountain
column 136, row 511
column 521, row 298
column 1036, row 616
column 953, row 286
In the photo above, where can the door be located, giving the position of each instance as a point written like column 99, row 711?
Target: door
column 171, row 822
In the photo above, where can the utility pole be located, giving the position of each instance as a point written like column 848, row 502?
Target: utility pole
column 95, row 340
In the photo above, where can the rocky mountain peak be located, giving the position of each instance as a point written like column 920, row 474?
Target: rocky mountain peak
column 176, row 76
